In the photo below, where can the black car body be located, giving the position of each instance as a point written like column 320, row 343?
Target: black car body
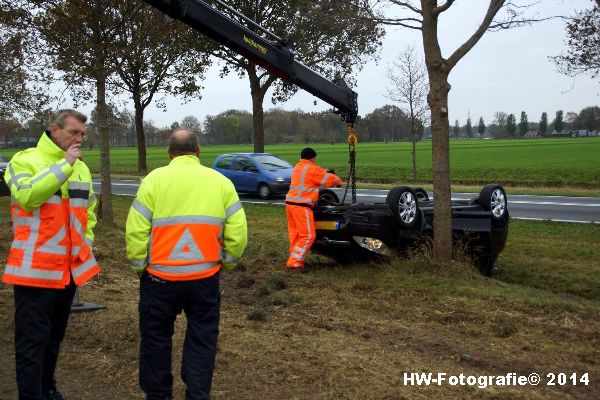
column 357, row 231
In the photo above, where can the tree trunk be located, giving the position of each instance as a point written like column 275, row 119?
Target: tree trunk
column 105, row 213
column 258, row 95
column 414, row 150
column 139, row 131
column 442, row 208
column 438, row 70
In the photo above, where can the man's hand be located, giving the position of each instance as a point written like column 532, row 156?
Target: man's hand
column 73, row 153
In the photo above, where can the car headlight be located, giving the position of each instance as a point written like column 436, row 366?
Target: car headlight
column 279, row 180
column 372, row 244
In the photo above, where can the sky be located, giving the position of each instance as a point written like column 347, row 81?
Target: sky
column 507, row 71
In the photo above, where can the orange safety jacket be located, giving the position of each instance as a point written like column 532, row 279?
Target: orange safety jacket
column 52, row 240
column 307, row 178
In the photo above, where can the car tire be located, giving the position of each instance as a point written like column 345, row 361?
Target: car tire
column 421, row 194
column 327, row 197
column 404, row 204
column 492, row 198
column 264, row 191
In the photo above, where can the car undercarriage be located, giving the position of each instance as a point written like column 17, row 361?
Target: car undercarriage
column 359, row 231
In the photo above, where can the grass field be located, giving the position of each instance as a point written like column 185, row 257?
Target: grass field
column 535, row 162
column 351, row 332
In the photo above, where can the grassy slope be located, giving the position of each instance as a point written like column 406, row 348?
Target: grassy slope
column 351, row 333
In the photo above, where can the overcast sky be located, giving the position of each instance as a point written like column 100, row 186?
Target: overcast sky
column 506, row 71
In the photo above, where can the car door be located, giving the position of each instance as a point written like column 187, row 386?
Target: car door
column 246, row 173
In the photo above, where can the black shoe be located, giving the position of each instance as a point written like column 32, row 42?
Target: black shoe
column 53, row 395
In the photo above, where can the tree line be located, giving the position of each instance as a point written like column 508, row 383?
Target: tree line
column 506, row 126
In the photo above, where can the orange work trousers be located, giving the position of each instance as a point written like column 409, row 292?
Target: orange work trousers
column 301, row 228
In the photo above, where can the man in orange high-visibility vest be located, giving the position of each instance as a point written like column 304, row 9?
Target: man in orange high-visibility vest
column 185, row 224
column 53, row 216
column 307, row 178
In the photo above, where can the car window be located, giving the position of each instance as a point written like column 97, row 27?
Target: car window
column 271, row 162
column 244, row 164
column 224, row 162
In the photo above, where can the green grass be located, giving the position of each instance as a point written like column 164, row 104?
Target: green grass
column 563, row 162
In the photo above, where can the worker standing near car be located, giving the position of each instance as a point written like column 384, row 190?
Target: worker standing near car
column 307, row 178
column 53, row 216
column 185, row 223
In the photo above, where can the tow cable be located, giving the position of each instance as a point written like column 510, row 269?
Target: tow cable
column 351, row 182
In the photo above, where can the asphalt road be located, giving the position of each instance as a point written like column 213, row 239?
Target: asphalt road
column 553, row 208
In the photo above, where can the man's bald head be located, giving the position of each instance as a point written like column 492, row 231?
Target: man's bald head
column 183, row 142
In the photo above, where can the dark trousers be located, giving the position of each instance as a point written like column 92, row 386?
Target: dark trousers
column 41, row 317
column 160, row 302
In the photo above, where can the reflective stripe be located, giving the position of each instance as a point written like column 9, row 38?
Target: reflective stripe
column 14, row 179
column 300, row 249
column 188, row 219
column 88, row 241
column 308, row 229
column 77, row 225
column 183, row 269
column 78, row 185
column 186, row 249
column 138, row 263
column 77, row 202
column 305, row 189
column 33, row 273
column 25, row 270
column 298, row 199
column 228, row 258
column 85, row 267
column 232, row 209
column 327, row 175
column 92, row 198
column 54, row 199
column 142, row 209
column 302, row 177
column 54, row 169
column 75, row 250
column 297, row 256
column 52, row 246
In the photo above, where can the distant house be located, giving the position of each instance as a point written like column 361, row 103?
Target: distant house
column 583, row 133
column 556, row 134
column 531, row 135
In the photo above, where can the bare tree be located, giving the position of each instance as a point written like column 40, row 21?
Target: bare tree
column 81, row 37
column 583, row 41
column 156, row 58
column 408, row 80
column 424, row 16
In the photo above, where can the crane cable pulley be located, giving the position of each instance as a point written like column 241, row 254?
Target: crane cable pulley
column 351, row 182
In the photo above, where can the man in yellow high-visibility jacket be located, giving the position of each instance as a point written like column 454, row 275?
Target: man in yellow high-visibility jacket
column 185, row 223
column 52, row 206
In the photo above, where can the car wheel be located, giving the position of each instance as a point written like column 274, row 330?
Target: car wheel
column 264, row 191
column 493, row 199
column 327, row 197
column 421, row 194
column 404, row 205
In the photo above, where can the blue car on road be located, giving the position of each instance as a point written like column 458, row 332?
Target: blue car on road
column 258, row 173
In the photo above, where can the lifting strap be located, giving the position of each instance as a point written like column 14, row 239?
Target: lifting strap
column 351, row 182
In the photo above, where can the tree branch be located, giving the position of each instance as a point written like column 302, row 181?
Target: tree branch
column 494, row 7
column 440, row 9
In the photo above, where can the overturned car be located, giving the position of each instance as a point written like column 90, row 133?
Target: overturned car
column 347, row 232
